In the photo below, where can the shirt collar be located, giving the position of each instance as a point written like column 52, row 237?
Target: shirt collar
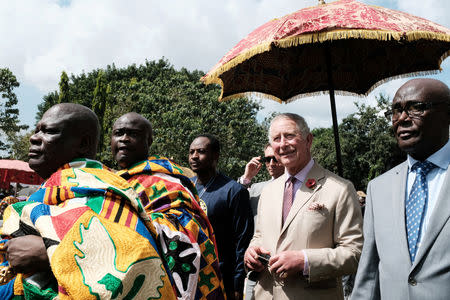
column 301, row 176
column 440, row 158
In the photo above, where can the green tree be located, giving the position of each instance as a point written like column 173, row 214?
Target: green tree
column 20, row 147
column 49, row 100
column 99, row 102
column 64, row 88
column 367, row 143
column 10, row 126
column 179, row 107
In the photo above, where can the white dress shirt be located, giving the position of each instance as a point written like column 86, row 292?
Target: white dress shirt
column 301, row 176
column 435, row 180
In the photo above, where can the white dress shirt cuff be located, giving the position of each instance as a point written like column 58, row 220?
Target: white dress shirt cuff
column 305, row 265
column 244, row 181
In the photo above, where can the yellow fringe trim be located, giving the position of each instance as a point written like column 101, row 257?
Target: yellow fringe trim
column 318, row 93
column 320, row 37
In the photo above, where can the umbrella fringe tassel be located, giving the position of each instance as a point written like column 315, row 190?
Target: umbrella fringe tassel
column 214, row 77
column 321, row 37
column 341, row 34
column 249, row 94
column 319, row 93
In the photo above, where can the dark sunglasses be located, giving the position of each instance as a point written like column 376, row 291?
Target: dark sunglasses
column 411, row 108
column 267, row 159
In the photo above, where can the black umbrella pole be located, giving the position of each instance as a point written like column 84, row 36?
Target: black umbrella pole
column 337, row 143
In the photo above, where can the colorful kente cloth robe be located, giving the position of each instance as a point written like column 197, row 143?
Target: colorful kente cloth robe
column 98, row 238
column 182, row 228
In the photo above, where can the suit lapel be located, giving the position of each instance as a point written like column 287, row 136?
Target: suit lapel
column 399, row 188
column 439, row 217
column 278, row 205
column 304, row 194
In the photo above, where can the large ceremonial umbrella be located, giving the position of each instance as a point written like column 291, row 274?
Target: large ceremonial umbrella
column 17, row 171
column 344, row 46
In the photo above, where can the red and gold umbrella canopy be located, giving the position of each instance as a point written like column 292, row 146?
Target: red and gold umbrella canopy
column 361, row 45
column 17, row 171
column 344, row 46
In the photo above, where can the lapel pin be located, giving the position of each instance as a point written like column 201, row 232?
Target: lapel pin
column 310, row 183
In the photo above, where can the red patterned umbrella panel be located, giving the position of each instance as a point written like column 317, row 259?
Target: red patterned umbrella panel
column 286, row 57
column 17, row 171
column 345, row 46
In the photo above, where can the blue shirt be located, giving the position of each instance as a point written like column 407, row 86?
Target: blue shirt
column 228, row 210
column 435, row 180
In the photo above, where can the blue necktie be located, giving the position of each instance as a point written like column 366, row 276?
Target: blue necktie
column 415, row 205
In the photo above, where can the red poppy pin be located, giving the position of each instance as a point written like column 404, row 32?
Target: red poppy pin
column 311, row 183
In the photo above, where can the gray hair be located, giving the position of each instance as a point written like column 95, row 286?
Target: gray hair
column 302, row 126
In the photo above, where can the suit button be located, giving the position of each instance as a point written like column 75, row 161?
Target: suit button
column 412, row 281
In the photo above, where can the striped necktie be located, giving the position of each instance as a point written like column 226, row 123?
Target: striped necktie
column 288, row 197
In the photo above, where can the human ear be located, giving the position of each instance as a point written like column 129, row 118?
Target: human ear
column 85, row 146
column 150, row 140
column 216, row 157
column 309, row 139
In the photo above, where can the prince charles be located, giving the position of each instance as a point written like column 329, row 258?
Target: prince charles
column 309, row 222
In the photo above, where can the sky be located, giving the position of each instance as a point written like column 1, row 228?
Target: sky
column 41, row 38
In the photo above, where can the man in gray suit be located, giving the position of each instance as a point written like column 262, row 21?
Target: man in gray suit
column 407, row 227
column 274, row 168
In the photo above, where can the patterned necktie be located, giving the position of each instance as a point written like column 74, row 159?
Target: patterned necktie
column 415, row 205
column 288, row 197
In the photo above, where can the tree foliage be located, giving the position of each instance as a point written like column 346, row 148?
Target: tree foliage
column 101, row 92
column 10, row 126
column 178, row 105
column 367, row 143
column 19, row 149
column 63, row 88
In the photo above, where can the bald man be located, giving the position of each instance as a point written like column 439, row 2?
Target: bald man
column 406, row 224
column 171, row 201
column 84, row 233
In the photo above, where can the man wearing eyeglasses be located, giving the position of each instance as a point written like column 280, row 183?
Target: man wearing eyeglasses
column 274, row 168
column 407, row 220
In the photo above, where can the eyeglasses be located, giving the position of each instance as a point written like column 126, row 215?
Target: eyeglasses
column 267, row 159
column 411, row 108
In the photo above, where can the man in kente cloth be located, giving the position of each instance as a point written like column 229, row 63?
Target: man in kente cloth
column 171, row 201
column 83, row 234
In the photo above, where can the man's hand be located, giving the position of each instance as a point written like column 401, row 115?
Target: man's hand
column 235, row 296
column 27, row 254
column 287, row 263
column 252, row 168
column 251, row 258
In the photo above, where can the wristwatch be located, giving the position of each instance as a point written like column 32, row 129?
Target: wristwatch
column 244, row 181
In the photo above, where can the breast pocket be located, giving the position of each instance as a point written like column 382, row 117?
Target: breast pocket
column 318, row 225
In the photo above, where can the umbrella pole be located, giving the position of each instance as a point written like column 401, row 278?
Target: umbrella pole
column 337, row 143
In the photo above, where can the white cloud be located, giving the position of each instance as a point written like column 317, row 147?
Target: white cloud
column 44, row 38
column 41, row 38
column 433, row 10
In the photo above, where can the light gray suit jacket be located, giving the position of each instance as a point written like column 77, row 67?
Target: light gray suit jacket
column 255, row 192
column 385, row 270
